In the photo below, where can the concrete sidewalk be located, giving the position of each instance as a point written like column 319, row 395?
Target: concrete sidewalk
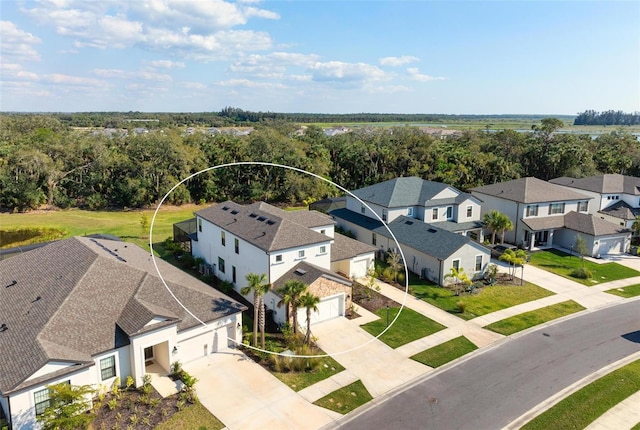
column 622, row 416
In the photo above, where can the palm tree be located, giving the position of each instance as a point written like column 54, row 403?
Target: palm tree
column 514, row 258
column 635, row 227
column 504, row 225
column 393, row 260
column 258, row 284
column 492, row 221
column 291, row 292
column 459, row 277
column 310, row 302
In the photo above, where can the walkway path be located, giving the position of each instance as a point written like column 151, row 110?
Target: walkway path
column 622, row 416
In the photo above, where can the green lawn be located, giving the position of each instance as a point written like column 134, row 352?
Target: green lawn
column 489, row 299
column 563, row 264
column 194, row 417
column 585, row 405
column 409, row 326
column 125, row 224
column 301, row 380
column 445, row 352
column 529, row 319
column 345, row 399
column 628, row 291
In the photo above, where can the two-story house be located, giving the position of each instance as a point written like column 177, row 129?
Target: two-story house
column 236, row 240
column 433, row 222
column 548, row 215
column 88, row 311
column 616, row 197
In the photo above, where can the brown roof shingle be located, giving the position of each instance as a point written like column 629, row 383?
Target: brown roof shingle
column 529, row 190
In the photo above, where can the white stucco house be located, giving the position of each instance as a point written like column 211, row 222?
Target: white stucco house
column 87, row 311
column 236, row 240
column 616, row 198
column 438, row 227
column 547, row 215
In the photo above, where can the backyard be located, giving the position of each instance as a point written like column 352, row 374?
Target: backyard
column 564, row 264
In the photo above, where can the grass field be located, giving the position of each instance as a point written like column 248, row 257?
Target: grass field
column 345, row 399
column 194, row 417
column 445, row 352
column 409, row 326
column 124, row 224
column 489, row 299
column 532, row 318
column 585, row 405
column 628, row 291
column 563, row 264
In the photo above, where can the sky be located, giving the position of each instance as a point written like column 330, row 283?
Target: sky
column 448, row 57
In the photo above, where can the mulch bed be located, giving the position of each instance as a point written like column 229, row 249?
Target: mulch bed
column 370, row 299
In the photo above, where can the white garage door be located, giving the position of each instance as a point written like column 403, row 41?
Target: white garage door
column 612, row 245
column 359, row 268
column 328, row 308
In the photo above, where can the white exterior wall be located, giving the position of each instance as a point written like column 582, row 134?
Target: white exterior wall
column 392, row 213
column 461, row 215
column 442, row 214
column 467, row 256
column 507, row 207
column 616, row 221
column 140, row 342
column 202, row 340
column 328, row 230
column 123, row 367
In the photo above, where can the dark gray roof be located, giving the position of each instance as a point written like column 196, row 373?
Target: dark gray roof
column 265, row 230
column 356, row 218
column 329, row 204
column 426, row 238
column 621, row 210
column 529, row 190
column 69, row 297
column 410, row 191
column 344, row 247
column 603, row 184
column 459, row 226
column 307, row 274
column 580, row 222
column 305, row 218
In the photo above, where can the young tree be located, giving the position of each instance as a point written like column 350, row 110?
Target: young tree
column 581, row 248
column 144, row 224
column 514, row 258
column 635, row 227
column 68, row 406
column 393, row 260
column 291, row 292
column 310, row 302
column 259, row 286
column 460, row 279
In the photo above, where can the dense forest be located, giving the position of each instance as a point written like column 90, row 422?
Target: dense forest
column 610, row 117
column 45, row 161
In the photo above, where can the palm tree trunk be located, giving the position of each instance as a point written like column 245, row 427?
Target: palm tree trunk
column 307, row 338
column 295, row 319
column 255, row 318
column 262, row 322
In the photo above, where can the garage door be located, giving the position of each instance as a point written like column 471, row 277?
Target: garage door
column 359, row 268
column 328, row 308
column 611, row 246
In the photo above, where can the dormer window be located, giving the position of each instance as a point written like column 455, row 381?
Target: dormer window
column 449, row 212
column 469, row 211
column 409, row 212
column 384, row 215
column 362, row 209
column 583, row 206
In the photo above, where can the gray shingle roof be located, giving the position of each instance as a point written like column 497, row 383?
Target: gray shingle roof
column 356, row 218
column 70, row 295
column 621, row 210
column 344, row 247
column 580, row 222
column 399, row 192
column 306, row 218
column 308, row 273
column 264, row 229
column 529, row 190
column 604, row 184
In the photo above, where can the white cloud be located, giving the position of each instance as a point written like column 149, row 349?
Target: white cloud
column 13, row 71
column 248, row 84
column 415, row 74
column 193, row 85
column 138, row 74
column 17, row 44
column 166, row 64
column 398, row 61
column 58, row 78
column 346, row 72
column 271, row 66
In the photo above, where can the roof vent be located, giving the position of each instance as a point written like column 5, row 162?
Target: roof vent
column 270, row 222
column 3, row 327
column 262, row 218
column 432, row 230
column 36, row 299
column 14, row 282
column 408, row 222
column 225, row 208
column 234, row 212
column 253, row 215
column 300, row 272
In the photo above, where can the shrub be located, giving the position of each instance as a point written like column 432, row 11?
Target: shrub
column 112, row 404
column 187, row 261
column 581, row 273
column 130, row 382
column 176, row 368
column 225, row 286
column 462, row 306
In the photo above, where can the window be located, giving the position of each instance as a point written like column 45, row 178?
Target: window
column 374, row 239
column 301, row 253
column 469, row 211
column 279, row 258
column 233, row 274
column 41, row 399
column 323, row 231
column 362, row 209
column 200, row 225
column 409, row 211
column 435, row 213
column 221, row 264
column 223, row 239
column 148, row 353
column 478, row 263
column 236, row 243
column 108, row 367
column 384, row 215
column 323, row 249
column 449, row 212
column 556, row 208
column 583, row 206
column 532, row 210
column 456, row 264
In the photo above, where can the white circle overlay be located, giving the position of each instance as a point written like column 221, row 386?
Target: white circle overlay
column 295, row 169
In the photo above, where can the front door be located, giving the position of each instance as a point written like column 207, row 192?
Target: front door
column 542, row 237
column 148, row 353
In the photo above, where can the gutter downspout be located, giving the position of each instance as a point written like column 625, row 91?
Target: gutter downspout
column 9, row 413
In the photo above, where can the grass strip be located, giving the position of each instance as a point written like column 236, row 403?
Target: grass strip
column 345, row 399
column 409, row 326
column 628, row 291
column 445, row 352
column 194, row 417
column 529, row 319
column 587, row 404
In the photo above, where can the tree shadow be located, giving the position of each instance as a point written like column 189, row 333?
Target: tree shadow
column 634, row 336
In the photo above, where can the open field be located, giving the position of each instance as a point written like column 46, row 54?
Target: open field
column 124, row 224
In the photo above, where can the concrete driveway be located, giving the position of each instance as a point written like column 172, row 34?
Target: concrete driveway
column 244, row 396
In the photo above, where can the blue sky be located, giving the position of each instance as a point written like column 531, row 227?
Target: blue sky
column 457, row 57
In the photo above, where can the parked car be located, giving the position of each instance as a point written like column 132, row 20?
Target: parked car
column 498, row 250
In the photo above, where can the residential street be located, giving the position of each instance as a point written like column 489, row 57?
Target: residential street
column 493, row 388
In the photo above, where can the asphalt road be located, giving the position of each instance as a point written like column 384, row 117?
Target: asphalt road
column 494, row 388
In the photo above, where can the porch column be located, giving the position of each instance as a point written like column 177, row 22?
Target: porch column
column 550, row 239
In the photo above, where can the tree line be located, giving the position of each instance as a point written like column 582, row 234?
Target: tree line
column 44, row 161
column 610, row 117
